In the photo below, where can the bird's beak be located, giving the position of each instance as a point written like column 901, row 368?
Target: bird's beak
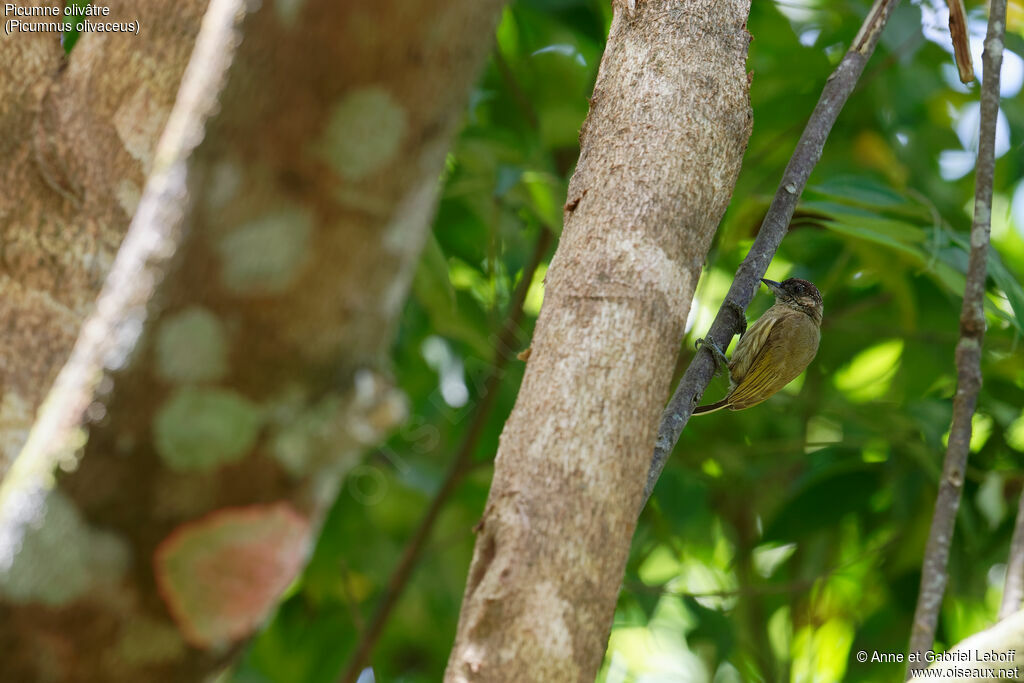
column 773, row 285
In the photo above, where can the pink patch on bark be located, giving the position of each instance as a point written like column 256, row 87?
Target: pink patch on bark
column 221, row 575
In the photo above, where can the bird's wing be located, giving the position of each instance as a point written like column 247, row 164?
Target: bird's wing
column 774, row 366
column 749, row 347
column 760, row 382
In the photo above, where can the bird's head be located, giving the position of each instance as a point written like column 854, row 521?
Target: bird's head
column 799, row 294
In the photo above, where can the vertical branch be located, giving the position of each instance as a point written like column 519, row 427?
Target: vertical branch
column 968, row 351
column 776, row 222
column 1013, row 589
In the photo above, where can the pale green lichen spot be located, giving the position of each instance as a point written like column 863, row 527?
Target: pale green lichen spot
column 204, row 428
column 225, row 181
column 54, row 529
column 128, row 195
column 16, row 415
column 265, row 255
column 288, row 11
column 138, row 122
column 191, row 347
column 364, row 133
column 146, row 641
column 302, row 439
column 403, row 229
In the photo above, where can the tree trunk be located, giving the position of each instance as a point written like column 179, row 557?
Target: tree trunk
column 232, row 372
column 76, row 142
column 661, row 150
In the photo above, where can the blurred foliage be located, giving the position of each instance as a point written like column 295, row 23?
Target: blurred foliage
column 782, row 539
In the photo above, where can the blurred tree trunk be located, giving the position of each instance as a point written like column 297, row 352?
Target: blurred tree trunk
column 173, row 482
column 76, row 142
column 661, row 149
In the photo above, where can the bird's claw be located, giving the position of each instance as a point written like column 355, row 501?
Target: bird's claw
column 716, row 353
column 741, row 315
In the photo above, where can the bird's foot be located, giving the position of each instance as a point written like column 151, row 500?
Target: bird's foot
column 741, row 315
column 716, row 353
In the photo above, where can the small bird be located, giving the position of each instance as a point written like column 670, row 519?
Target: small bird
column 776, row 348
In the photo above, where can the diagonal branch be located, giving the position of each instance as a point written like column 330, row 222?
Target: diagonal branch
column 968, row 351
column 458, row 469
column 730, row 316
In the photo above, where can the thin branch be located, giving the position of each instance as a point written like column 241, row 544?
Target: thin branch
column 1013, row 589
column 808, row 151
column 968, row 350
column 350, row 601
column 457, row 470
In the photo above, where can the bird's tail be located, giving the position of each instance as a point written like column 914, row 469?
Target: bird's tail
column 711, row 407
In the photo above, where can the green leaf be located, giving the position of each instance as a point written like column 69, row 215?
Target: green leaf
column 545, row 194
column 1010, row 285
column 823, row 501
column 712, row 626
column 867, row 377
column 68, row 39
column 864, row 192
column 434, row 292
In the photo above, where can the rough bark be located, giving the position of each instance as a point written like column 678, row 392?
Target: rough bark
column 661, row 150
column 232, row 370
column 76, row 142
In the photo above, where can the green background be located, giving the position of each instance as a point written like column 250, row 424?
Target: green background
column 780, row 540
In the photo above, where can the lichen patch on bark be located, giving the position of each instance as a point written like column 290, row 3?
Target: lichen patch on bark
column 288, row 11
column 138, row 122
column 128, row 195
column 364, row 133
column 147, row 641
column 265, row 255
column 221, row 575
column 225, row 182
column 44, row 526
column 201, row 429
column 191, row 346
column 15, row 418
